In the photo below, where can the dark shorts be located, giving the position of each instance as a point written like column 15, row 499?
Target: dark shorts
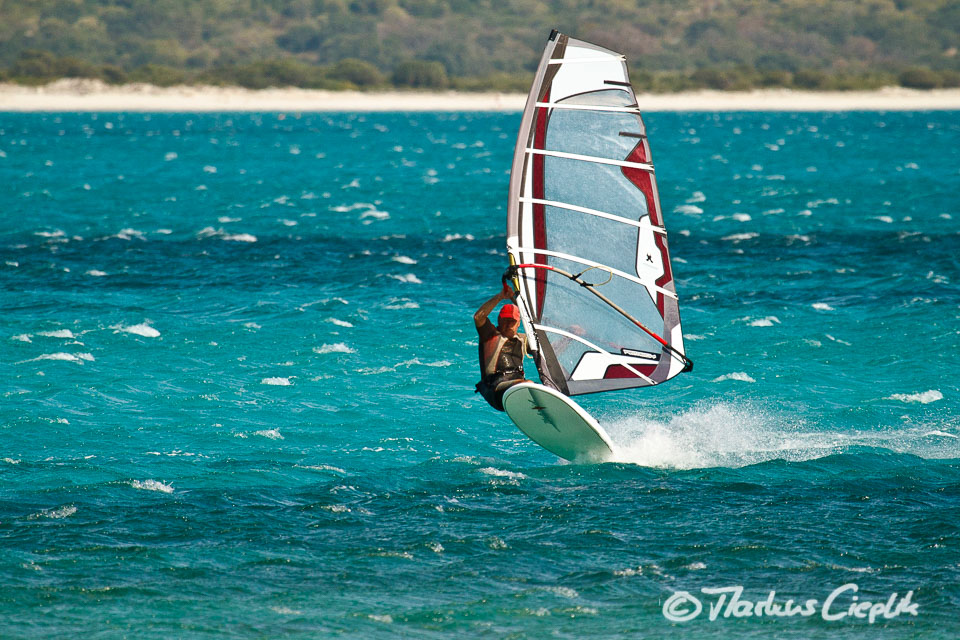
column 493, row 387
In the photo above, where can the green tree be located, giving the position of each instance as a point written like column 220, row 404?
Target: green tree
column 712, row 78
column 34, row 63
column 919, row 78
column 809, row 79
column 158, row 74
column 358, row 72
column 420, row 74
column 300, row 38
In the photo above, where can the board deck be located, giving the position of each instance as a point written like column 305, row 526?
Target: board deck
column 557, row 423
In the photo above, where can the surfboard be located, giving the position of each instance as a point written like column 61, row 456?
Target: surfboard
column 557, row 423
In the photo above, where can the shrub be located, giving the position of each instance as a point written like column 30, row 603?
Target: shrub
column 711, row 78
column 277, row 73
column 420, row 74
column 950, row 78
column 158, row 75
column 300, row 38
column 776, row 78
column 33, row 63
column 920, row 78
column 113, row 74
column 73, row 68
column 809, row 79
column 502, row 82
column 358, row 72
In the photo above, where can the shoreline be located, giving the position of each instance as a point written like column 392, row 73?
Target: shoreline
column 73, row 95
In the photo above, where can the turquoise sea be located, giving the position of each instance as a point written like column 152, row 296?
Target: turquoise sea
column 239, row 358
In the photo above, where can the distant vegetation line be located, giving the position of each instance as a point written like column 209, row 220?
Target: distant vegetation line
column 671, row 45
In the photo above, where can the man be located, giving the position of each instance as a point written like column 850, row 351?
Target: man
column 501, row 348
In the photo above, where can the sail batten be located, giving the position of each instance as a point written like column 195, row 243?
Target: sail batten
column 587, row 107
column 594, row 265
column 578, row 156
column 583, row 196
column 582, row 60
column 591, row 212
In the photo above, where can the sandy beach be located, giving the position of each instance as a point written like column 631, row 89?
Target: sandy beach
column 93, row 95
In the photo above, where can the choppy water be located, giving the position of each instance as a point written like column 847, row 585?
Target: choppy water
column 238, row 362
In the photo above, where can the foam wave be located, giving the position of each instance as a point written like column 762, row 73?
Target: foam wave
column 272, row 434
column 769, row 321
column 409, row 277
column 736, row 375
column 737, row 237
column 402, row 303
column 79, row 358
column 376, row 214
column 385, row 619
column 59, row 513
column 923, row 398
column 129, row 234
column 502, row 473
column 59, row 333
column 339, row 347
column 142, row 329
column 56, row 514
column 210, row 232
column 321, row 467
column 151, row 485
column 277, row 382
column 727, row 435
column 721, row 435
column 417, row 362
column 353, row 207
column 240, row 237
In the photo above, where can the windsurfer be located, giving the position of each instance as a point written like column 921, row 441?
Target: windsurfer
column 501, row 348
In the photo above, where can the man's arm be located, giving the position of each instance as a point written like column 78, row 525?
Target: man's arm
column 481, row 315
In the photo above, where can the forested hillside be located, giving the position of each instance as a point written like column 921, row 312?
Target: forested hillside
column 480, row 44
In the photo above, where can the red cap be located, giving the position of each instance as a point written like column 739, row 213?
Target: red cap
column 509, row 311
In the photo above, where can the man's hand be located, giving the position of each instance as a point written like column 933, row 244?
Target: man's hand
column 506, row 293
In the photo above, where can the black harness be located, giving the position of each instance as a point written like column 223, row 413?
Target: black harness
column 491, row 387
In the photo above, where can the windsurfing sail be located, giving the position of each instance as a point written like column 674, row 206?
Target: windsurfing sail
column 585, row 233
